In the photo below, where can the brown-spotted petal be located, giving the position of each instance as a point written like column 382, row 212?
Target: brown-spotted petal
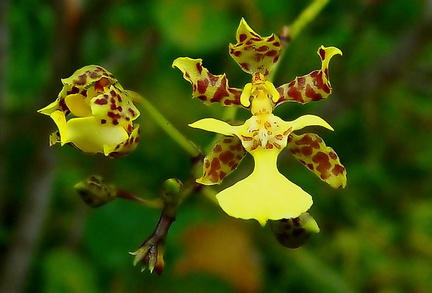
column 313, row 86
column 207, row 87
column 224, row 158
column 254, row 53
column 322, row 160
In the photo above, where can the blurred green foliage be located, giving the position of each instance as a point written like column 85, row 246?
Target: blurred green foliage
column 376, row 234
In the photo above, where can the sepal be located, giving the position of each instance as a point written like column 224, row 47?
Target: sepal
column 313, row 86
column 310, row 150
column 254, row 53
column 223, row 159
column 207, row 87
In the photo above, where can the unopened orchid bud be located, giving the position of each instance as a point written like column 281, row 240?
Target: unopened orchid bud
column 293, row 233
column 171, row 191
column 95, row 192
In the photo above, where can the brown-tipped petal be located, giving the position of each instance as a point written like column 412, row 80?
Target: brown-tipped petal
column 322, row 160
column 207, row 87
column 313, row 86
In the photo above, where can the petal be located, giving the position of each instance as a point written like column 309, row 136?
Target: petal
column 125, row 147
column 89, row 135
column 77, row 105
column 115, row 107
column 254, row 53
column 50, row 108
column 224, row 158
column 313, row 86
column 307, row 120
column 265, row 194
column 207, row 87
column 215, row 125
column 88, row 75
column 322, row 160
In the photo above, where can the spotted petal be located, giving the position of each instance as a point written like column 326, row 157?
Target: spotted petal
column 254, row 53
column 313, row 86
column 224, row 158
column 265, row 194
column 207, row 87
column 312, row 152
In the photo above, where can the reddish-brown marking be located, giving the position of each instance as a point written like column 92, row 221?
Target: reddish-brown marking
column 242, row 37
column 199, row 68
column 245, row 66
column 101, row 84
column 271, row 53
column 132, row 112
column 279, row 137
column 217, row 148
column 295, row 94
column 237, row 53
column 271, row 38
column 206, row 163
column 310, row 93
column 202, row 85
column 219, row 94
column 310, row 166
column 338, row 169
column 276, row 44
column 309, row 141
column 323, row 161
column 307, row 150
column 103, row 121
column 227, row 140
column 101, row 101
column 333, row 155
column 222, row 175
column 269, row 146
column 262, row 49
column 225, row 157
column 82, row 79
column 246, row 138
column 322, row 53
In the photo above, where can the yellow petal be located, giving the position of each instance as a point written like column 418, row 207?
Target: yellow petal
column 59, row 119
column 90, row 136
column 50, row 108
column 215, row 125
column 265, row 194
column 77, row 105
column 307, row 120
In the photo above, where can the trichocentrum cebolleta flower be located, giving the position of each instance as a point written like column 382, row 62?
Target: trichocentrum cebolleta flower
column 265, row 194
column 94, row 113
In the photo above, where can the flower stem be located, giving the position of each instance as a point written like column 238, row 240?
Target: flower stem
column 306, row 17
column 173, row 132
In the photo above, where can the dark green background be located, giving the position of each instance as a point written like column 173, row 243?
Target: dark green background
column 376, row 235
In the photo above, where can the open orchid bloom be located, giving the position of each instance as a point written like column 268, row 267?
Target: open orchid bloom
column 94, row 113
column 265, row 194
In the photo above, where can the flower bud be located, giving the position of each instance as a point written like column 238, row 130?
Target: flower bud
column 171, row 191
column 293, row 233
column 95, row 192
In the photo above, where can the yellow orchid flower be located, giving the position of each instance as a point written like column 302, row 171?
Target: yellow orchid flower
column 94, row 113
column 265, row 194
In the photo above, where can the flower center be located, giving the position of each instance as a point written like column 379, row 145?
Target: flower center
column 264, row 131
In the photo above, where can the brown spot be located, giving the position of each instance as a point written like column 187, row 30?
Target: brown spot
column 242, row 37
column 309, row 141
column 271, row 53
column 245, row 66
column 222, row 175
column 202, row 85
column 225, row 157
column 82, row 79
column 306, row 151
column 333, row 155
column 310, row 93
column 338, row 169
column 199, row 68
column 246, row 138
column 217, row 148
column 323, row 161
column 310, row 166
column 262, row 49
column 101, row 101
column 269, row 146
column 103, row 121
column 295, row 94
column 322, row 53
column 101, row 84
column 280, row 137
column 237, row 53
column 227, row 140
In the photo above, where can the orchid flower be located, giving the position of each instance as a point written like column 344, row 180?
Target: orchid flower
column 265, row 194
column 94, row 113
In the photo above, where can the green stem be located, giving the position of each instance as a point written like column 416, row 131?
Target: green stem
column 306, row 17
column 173, row 132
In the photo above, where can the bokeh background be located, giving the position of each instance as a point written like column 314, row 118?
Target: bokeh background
column 376, row 235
